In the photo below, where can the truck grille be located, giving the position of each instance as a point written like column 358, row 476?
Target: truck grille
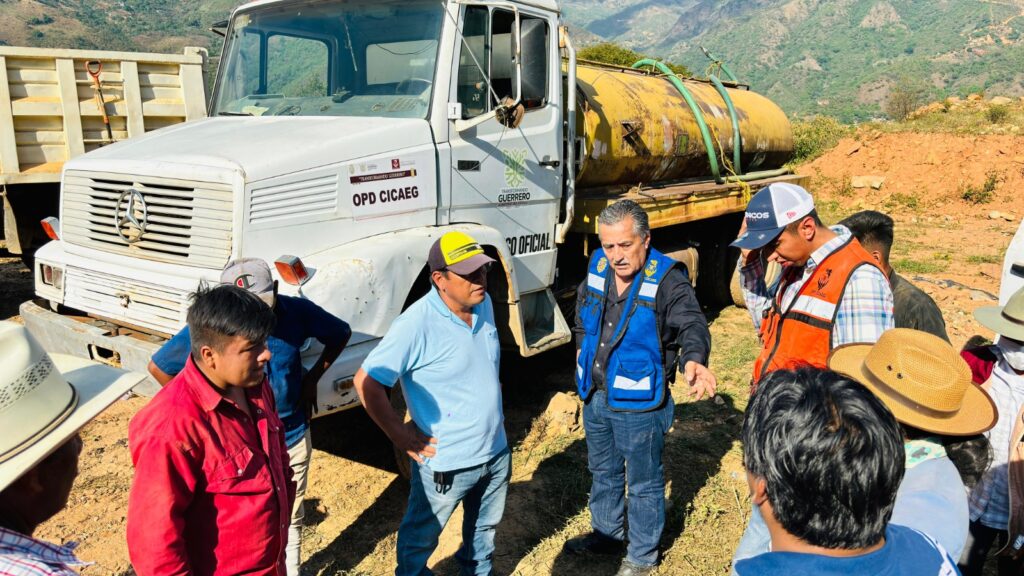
column 185, row 222
column 149, row 306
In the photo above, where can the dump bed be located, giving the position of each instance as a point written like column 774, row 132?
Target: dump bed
column 50, row 113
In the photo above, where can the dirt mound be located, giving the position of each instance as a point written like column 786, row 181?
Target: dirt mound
column 932, row 172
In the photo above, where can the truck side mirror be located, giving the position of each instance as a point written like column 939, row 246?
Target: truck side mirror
column 533, row 54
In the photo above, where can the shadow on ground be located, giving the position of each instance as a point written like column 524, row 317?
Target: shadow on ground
column 544, row 504
column 15, row 283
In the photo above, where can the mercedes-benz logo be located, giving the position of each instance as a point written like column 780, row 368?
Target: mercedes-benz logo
column 130, row 219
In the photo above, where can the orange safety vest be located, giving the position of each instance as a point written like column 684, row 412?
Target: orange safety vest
column 802, row 334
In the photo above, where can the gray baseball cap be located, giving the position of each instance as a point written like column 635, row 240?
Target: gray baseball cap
column 252, row 274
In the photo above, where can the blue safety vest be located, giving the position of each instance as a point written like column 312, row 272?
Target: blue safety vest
column 635, row 374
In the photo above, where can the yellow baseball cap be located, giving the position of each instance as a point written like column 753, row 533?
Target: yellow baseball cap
column 458, row 252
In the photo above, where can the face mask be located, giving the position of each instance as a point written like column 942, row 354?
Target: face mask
column 1013, row 352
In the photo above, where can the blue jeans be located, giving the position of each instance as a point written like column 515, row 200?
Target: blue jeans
column 624, row 448
column 481, row 489
column 755, row 540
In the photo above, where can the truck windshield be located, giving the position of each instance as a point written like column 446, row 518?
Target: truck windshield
column 339, row 58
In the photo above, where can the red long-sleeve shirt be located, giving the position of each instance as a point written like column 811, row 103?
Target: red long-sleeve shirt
column 212, row 493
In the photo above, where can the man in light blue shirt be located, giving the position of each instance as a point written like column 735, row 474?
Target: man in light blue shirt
column 444, row 349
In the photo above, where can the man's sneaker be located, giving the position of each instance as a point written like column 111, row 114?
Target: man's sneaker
column 627, row 568
column 593, row 543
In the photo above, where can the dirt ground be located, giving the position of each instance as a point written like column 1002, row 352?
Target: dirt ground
column 951, row 248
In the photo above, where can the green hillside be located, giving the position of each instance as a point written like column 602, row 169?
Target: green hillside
column 150, row 25
column 837, row 57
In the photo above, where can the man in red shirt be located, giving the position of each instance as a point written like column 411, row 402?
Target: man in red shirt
column 213, row 491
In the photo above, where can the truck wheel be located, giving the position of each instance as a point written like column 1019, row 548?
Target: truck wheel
column 717, row 261
column 736, row 290
column 28, row 259
column 771, row 274
column 28, row 239
column 402, row 461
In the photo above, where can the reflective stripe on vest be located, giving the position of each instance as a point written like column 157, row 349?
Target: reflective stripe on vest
column 635, row 373
column 803, row 333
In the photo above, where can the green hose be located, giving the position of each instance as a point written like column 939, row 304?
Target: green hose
column 758, row 175
column 737, row 142
column 704, row 132
column 716, row 61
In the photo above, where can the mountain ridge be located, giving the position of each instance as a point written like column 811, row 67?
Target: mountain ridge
column 830, row 57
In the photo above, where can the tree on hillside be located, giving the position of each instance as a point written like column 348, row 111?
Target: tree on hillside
column 905, row 96
column 611, row 53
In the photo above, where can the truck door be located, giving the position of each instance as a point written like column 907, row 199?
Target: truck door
column 509, row 178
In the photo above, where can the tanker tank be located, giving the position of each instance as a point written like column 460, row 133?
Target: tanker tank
column 638, row 129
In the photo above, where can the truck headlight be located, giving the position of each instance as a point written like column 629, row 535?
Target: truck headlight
column 51, row 275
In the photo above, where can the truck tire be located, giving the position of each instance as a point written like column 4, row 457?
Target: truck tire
column 771, row 274
column 402, row 460
column 736, row 290
column 717, row 263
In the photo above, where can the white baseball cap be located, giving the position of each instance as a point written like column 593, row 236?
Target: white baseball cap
column 770, row 211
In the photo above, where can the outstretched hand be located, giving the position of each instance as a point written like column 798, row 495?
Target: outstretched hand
column 700, row 380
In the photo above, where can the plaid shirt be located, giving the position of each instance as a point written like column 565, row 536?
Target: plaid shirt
column 21, row 555
column 865, row 311
column 990, row 498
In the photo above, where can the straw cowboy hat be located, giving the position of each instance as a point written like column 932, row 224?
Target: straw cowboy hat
column 1004, row 320
column 45, row 399
column 922, row 380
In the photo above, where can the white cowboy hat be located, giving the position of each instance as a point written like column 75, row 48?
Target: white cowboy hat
column 1004, row 320
column 45, row 399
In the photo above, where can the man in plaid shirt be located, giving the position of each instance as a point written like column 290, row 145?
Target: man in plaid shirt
column 831, row 291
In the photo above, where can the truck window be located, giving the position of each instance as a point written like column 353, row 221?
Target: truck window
column 407, row 66
column 354, row 58
column 488, row 35
column 243, row 75
column 296, row 66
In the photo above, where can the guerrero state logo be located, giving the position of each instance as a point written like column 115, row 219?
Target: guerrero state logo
column 515, row 167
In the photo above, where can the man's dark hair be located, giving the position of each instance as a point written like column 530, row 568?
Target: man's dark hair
column 872, row 229
column 831, row 455
column 220, row 313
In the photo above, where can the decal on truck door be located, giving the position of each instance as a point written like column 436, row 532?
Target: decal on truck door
column 515, row 175
column 528, row 243
column 379, row 189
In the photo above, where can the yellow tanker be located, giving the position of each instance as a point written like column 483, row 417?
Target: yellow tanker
column 638, row 129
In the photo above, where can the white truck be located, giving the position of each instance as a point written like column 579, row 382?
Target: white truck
column 344, row 137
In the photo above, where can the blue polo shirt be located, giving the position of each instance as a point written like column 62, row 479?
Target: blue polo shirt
column 906, row 552
column 297, row 320
column 449, row 374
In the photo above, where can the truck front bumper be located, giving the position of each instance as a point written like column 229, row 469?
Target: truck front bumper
column 91, row 339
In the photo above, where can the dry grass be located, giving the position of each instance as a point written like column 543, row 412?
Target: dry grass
column 707, row 506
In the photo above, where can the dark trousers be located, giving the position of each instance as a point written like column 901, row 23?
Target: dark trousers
column 977, row 550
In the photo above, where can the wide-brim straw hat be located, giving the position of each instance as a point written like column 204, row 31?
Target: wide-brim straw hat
column 46, row 399
column 922, row 380
column 1004, row 320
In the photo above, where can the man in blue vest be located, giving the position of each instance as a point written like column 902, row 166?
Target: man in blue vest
column 637, row 320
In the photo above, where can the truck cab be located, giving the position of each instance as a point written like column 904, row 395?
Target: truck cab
column 342, row 137
column 345, row 136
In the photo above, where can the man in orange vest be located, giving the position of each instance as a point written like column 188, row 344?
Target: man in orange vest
column 831, row 291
